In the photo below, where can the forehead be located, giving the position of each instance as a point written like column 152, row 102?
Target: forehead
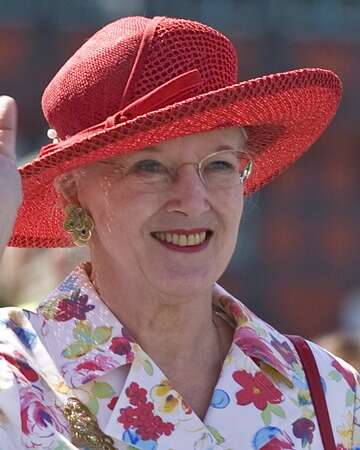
column 186, row 147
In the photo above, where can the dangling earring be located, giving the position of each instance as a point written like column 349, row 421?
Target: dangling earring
column 79, row 224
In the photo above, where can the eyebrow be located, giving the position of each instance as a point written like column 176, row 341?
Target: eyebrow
column 151, row 149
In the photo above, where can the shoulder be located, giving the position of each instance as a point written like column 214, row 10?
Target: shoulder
column 16, row 329
column 13, row 368
column 337, row 372
column 341, row 384
column 17, row 342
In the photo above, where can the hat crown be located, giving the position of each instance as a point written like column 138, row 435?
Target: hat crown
column 90, row 86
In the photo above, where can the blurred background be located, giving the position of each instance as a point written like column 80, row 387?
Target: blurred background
column 298, row 256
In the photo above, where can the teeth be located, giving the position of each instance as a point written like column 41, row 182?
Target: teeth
column 181, row 239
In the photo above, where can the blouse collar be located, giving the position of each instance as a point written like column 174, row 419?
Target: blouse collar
column 79, row 330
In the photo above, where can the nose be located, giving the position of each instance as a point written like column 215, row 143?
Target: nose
column 188, row 195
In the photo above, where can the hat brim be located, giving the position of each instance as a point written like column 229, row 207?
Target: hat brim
column 283, row 115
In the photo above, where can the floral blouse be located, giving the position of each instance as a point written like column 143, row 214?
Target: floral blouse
column 73, row 346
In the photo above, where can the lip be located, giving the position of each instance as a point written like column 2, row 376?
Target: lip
column 183, row 231
column 190, row 248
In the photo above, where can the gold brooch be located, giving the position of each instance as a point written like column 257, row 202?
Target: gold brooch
column 84, row 429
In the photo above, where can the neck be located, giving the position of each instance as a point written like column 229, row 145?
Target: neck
column 171, row 328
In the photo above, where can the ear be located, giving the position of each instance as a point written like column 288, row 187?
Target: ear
column 66, row 188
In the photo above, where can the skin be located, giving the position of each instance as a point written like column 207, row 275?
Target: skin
column 171, row 316
column 162, row 296
column 10, row 182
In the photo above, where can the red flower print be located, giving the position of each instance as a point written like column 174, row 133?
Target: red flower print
column 275, row 444
column 304, row 429
column 112, row 403
column 126, row 333
column 19, row 362
column 142, row 418
column 346, row 373
column 73, row 308
column 136, row 394
column 257, row 389
column 120, row 345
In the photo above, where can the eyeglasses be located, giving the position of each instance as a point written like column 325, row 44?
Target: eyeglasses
column 220, row 170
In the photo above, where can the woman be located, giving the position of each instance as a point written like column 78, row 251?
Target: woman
column 140, row 348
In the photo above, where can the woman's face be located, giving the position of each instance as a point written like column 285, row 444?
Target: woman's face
column 154, row 231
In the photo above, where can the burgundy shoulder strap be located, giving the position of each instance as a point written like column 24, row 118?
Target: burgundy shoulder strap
column 317, row 394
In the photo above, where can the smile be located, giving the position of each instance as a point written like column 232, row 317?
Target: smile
column 184, row 239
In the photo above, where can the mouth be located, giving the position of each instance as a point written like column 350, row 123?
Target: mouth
column 184, row 240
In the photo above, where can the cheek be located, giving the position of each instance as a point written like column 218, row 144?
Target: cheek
column 232, row 209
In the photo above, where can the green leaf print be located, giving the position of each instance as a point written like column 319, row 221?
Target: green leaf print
column 350, row 398
column 86, row 339
column 260, row 331
column 102, row 390
column 93, row 405
column 308, row 413
column 266, row 416
column 334, row 375
column 62, row 446
column 298, row 370
column 148, row 367
column 276, row 409
column 82, row 331
column 76, row 349
column 101, row 335
column 219, row 439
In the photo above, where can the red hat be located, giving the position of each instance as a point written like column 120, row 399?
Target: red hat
column 139, row 81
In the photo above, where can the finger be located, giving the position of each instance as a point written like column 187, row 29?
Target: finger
column 8, row 123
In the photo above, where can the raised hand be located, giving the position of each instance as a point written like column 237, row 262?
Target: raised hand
column 10, row 181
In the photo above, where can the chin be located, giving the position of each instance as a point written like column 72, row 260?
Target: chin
column 188, row 282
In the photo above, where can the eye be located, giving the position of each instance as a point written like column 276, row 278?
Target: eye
column 220, row 166
column 148, row 166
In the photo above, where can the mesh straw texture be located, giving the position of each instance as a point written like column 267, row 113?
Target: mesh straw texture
column 132, row 58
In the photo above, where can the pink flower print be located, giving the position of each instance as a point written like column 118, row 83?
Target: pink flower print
column 40, row 419
column 252, row 344
column 257, row 389
column 76, row 373
column 284, row 349
column 346, row 373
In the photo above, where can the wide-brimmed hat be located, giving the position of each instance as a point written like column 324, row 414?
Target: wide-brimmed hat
column 139, row 81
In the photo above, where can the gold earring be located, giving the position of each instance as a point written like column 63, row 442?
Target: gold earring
column 79, row 224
